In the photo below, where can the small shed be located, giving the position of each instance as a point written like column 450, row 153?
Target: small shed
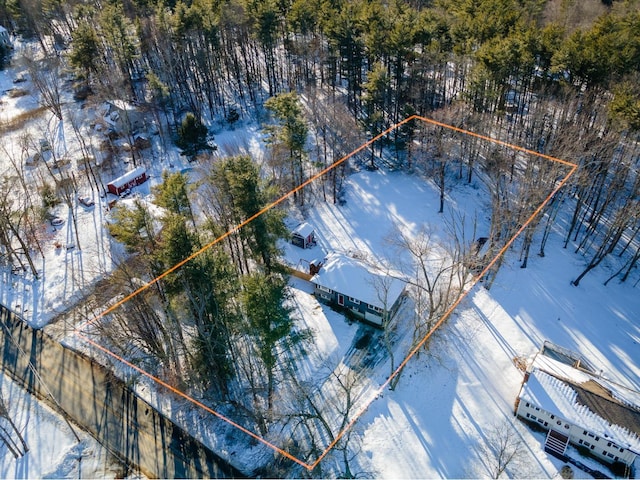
column 303, row 236
column 130, row 179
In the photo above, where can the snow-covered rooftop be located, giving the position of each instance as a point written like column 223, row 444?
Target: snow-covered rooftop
column 579, row 376
column 304, row 230
column 355, row 279
column 127, row 177
column 123, row 105
column 567, row 392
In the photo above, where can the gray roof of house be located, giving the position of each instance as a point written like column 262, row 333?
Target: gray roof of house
column 600, row 400
column 353, row 278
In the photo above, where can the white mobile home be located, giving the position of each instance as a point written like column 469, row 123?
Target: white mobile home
column 578, row 407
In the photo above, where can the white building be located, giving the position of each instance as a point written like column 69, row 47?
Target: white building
column 579, row 407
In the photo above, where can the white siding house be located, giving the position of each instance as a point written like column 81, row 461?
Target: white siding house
column 122, row 116
column 578, row 407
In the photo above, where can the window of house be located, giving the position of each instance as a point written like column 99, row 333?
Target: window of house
column 593, row 447
column 566, row 425
column 616, row 458
column 610, row 455
column 325, row 296
column 527, row 404
column 375, row 309
column 621, row 449
column 552, row 417
column 540, row 420
column 590, row 434
column 608, row 444
column 580, row 441
column 587, row 444
column 558, row 422
column 323, row 288
column 546, row 424
column 354, row 300
column 533, row 417
column 597, row 438
column 527, row 415
column 604, row 452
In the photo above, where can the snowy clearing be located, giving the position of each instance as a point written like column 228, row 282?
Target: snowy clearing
column 436, row 422
column 54, row 452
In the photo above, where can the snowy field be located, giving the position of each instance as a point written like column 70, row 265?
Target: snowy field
column 436, row 423
column 53, row 449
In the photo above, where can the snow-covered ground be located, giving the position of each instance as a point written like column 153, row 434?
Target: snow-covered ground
column 436, row 423
column 53, row 450
column 71, row 265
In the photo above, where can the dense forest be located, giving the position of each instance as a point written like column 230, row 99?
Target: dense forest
column 560, row 77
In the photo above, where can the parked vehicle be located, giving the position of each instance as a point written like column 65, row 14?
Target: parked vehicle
column 86, row 201
column 45, row 146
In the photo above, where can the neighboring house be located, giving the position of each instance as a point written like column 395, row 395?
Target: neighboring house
column 123, row 117
column 303, row 236
column 566, row 398
column 130, row 179
column 5, row 39
column 367, row 293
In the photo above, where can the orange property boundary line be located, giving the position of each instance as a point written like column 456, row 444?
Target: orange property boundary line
column 310, row 466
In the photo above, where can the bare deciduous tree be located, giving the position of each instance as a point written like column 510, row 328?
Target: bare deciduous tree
column 504, row 449
column 45, row 75
column 320, row 415
column 144, row 327
column 438, row 276
column 7, row 435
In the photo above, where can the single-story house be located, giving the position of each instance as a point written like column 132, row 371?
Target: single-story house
column 303, row 236
column 577, row 406
column 367, row 293
column 122, row 116
column 130, row 179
